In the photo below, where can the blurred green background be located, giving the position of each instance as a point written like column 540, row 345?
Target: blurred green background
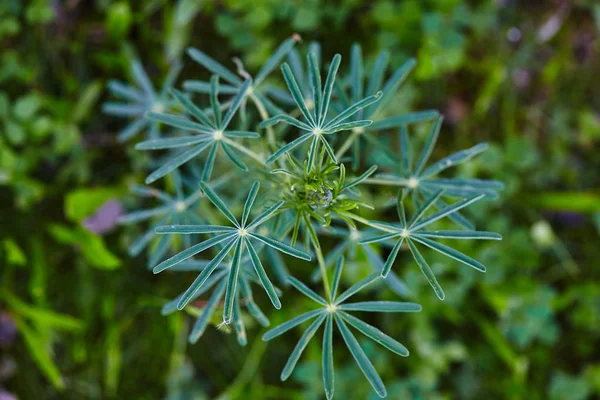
column 79, row 319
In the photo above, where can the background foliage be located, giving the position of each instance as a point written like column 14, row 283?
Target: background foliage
column 80, row 319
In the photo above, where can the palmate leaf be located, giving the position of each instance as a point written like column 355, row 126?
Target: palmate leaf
column 140, row 100
column 412, row 233
column 336, row 310
column 317, row 123
column 237, row 238
column 208, row 133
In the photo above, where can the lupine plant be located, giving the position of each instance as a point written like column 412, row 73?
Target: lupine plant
column 289, row 202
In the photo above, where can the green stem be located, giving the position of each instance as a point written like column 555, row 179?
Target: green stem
column 322, row 267
column 346, row 145
column 389, row 182
column 367, row 222
column 264, row 115
column 245, row 150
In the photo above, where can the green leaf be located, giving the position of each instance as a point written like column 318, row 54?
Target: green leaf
column 272, row 62
column 300, row 346
column 288, row 147
column 178, row 122
column 38, row 349
column 454, row 159
column 459, row 235
column 357, row 287
column 450, row 252
column 284, row 248
column 376, row 335
column 192, row 251
column 328, row 375
column 192, row 108
column 305, row 290
column 361, row 178
column 387, row 267
column 285, row 118
column 265, row 215
column 201, row 279
column 235, row 103
column 214, row 100
column 353, row 109
column 213, row 66
column 337, row 275
column 424, row 207
column 262, row 276
column 426, row 270
column 380, row 306
column 315, row 79
column 405, row 119
column 88, row 243
column 209, row 163
column 429, row 145
column 361, row 358
column 190, row 229
column 333, row 69
column 216, row 200
column 296, row 93
column 230, row 153
column 172, row 143
column 446, row 211
column 250, row 202
column 176, row 162
column 232, row 281
column 292, row 323
column 40, row 316
column 82, row 203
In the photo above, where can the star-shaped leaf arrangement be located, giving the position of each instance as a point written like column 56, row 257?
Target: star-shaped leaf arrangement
column 139, row 101
column 336, row 310
column 355, row 86
column 176, row 209
column 316, row 124
column 210, row 134
column 238, row 238
column 422, row 182
column 412, row 232
column 218, row 281
column 233, row 81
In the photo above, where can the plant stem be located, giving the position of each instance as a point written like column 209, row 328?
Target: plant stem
column 265, row 116
column 346, row 145
column 376, row 181
column 245, row 150
column 322, row 268
column 367, row 222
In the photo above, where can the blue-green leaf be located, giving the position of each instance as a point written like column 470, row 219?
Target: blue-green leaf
column 232, row 281
column 352, row 290
column 204, row 318
column 281, row 246
column 292, row 323
column 452, row 253
column 376, row 335
column 426, row 270
column 328, row 376
column 262, row 276
column 213, row 66
column 300, row 346
column 381, row 306
column 305, row 290
column 216, row 200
